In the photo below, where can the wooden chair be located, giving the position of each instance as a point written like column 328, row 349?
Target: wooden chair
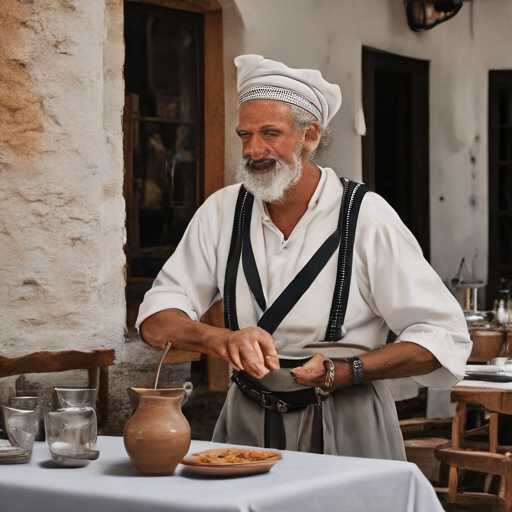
column 506, row 348
column 96, row 362
column 490, row 458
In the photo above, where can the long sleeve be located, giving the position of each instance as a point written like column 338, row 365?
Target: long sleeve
column 403, row 289
column 187, row 281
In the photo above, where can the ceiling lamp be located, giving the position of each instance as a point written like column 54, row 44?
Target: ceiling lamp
column 426, row 14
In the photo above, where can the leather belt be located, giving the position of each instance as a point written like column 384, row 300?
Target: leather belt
column 275, row 404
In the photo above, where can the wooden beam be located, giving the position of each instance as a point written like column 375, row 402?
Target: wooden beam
column 49, row 362
column 213, row 103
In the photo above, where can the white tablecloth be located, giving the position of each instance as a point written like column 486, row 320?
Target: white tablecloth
column 300, row 482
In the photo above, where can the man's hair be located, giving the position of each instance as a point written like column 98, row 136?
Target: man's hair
column 302, row 119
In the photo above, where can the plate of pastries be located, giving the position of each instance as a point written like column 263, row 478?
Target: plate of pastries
column 232, row 461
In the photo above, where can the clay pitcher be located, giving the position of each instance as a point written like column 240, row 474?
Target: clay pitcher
column 157, row 436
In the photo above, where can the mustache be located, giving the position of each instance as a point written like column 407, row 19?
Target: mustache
column 260, row 165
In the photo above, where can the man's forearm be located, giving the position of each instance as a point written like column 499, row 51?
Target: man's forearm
column 175, row 326
column 251, row 349
column 392, row 361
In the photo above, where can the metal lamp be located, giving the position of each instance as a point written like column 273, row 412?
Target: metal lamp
column 426, row 14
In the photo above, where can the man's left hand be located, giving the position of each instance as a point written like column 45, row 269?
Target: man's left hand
column 312, row 373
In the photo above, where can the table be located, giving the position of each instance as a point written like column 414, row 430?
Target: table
column 300, row 482
column 465, row 454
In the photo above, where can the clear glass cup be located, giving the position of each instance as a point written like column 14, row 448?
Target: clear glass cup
column 24, row 403
column 71, row 434
column 21, row 427
column 30, row 403
column 76, row 397
column 7, row 390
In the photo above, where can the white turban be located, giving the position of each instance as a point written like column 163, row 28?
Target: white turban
column 264, row 79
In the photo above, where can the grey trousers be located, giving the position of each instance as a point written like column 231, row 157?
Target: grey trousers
column 358, row 421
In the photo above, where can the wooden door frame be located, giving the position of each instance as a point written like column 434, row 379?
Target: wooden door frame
column 419, row 72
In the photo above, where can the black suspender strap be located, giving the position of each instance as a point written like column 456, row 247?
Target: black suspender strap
column 353, row 195
column 230, row 316
column 248, row 261
column 295, row 290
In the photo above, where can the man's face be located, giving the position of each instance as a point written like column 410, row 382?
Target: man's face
column 272, row 149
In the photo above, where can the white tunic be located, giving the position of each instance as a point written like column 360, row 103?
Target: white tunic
column 392, row 285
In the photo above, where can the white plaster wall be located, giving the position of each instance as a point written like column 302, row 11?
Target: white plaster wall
column 329, row 36
column 61, row 172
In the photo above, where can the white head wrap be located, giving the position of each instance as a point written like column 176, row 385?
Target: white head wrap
column 264, row 79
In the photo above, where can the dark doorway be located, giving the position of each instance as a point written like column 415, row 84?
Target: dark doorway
column 500, row 181
column 164, row 143
column 396, row 145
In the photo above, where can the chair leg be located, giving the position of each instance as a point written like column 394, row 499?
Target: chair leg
column 453, row 484
column 493, row 432
column 459, row 425
column 505, row 491
column 93, row 377
column 103, row 397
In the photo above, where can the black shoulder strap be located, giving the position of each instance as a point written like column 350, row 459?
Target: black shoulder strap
column 249, row 263
column 297, row 288
column 353, row 195
column 230, row 316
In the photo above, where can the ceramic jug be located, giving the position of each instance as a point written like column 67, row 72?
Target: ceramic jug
column 157, row 436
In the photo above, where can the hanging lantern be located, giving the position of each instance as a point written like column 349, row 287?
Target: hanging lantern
column 426, row 14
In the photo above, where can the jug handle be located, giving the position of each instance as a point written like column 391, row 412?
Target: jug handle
column 188, row 387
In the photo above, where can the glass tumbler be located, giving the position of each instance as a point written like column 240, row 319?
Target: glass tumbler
column 30, row 403
column 21, row 428
column 7, row 390
column 71, row 435
column 76, row 397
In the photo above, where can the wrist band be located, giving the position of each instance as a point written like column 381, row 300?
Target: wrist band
column 329, row 376
column 356, row 368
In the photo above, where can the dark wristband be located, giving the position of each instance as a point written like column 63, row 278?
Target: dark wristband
column 356, row 369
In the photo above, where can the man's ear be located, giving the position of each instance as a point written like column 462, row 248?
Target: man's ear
column 312, row 137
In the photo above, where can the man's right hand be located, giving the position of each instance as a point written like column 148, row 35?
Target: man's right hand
column 251, row 349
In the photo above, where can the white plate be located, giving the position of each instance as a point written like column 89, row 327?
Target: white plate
column 222, row 470
column 486, row 368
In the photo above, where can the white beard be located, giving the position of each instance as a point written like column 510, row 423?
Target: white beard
column 270, row 185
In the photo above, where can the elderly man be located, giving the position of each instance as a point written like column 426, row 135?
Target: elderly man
column 308, row 298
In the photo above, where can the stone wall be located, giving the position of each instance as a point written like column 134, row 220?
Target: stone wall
column 61, row 168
